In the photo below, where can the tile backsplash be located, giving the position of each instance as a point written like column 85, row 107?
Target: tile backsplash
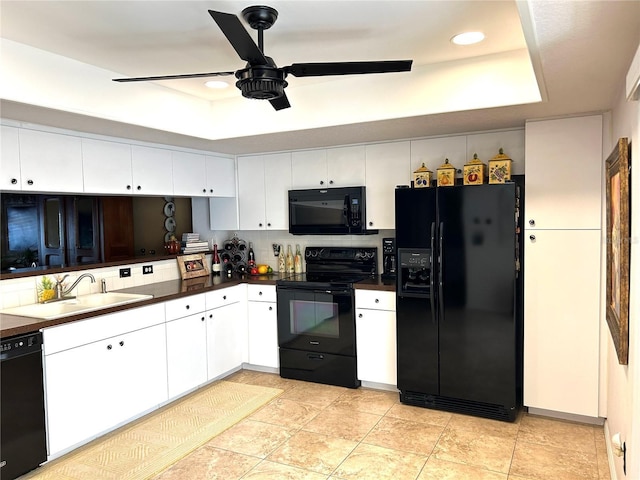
column 24, row 291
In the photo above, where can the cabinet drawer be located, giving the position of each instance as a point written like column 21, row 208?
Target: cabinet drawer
column 70, row 335
column 262, row 293
column 225, row 296
column 181, row 307
column 375, row 299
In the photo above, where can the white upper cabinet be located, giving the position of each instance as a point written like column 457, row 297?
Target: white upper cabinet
column 152, row 170
column 106, row 167
column 50, row 162
column 387, row 165
column 433, row 152
column 346, row 166
column 263, row 185
column 189, row 174
column 333, row 167
column 221, row 176
column 563, row 173
column 309, row 169
column 10, row 159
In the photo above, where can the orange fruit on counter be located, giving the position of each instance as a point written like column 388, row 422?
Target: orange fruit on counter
column 262, row 269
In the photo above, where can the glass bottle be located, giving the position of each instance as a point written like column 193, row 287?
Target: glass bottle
column 251, row 257
column 297, row 262
column 290, row 265
column 215, row 265
column 282, row 264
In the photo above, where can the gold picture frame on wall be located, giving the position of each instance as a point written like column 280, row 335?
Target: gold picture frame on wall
column 618, row 244
column 192, row 266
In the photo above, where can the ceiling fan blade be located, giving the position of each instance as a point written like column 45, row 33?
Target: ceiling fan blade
column 280, row 102
column 174, row 77
column 239, row 38
column 347, row 68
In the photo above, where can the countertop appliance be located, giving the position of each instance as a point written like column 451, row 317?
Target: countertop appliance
column 328, row 211
column 389, row 258
column 316, row 315
column 459, row 334
column 23, row 444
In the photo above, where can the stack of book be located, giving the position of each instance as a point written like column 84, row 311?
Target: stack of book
column 191, row 243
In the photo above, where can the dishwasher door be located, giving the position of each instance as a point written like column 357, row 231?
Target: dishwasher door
column 23, row 443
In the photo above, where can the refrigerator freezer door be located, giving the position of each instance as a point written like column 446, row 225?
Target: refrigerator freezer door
column 477, row 329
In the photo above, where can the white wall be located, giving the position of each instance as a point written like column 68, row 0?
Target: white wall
column 623, row 384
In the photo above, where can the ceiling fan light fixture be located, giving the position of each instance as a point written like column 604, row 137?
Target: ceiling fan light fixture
column 467, row 38
column 261, row 88
column 217, row 84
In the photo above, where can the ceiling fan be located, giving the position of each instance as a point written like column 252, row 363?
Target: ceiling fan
column 261, row 78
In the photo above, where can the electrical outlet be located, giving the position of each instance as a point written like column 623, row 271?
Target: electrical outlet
column 125, row 272
column 147, row 269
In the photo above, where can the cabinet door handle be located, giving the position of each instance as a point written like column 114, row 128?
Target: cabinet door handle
column 532, row 222
column 532, row 238
column 187, row 307
column 377, row 301
column 14, row 181
column 270, row 308
column 202, row 319
column 371, row 224
column 122, row 343
column 359, row 315
column 139, row 187
column 321, row 182
column 204, row 190
column 128, row 187
column 268, row 224
column 260, row 224
column 211, row 190
column 211, row 315
column 29, row 182
column 224, row 297
column 330, row 182
column 260, row 293
column 109, row 347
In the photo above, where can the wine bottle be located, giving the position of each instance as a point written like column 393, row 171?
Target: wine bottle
column 297, row 262
column 290, row 262
column 215, row 265
column 251, row 257
column 282, row 264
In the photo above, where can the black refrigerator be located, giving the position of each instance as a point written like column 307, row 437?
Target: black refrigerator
column 459, row 333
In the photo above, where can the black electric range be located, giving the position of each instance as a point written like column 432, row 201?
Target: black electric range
column 316, row 315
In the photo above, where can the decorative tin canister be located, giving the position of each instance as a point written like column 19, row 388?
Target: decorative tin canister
column 474, row 171
column 446, row 174
column 422, row 177
column 500, row 168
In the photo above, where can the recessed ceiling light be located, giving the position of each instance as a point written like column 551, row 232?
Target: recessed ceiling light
column 467, row 38
column 216, row 84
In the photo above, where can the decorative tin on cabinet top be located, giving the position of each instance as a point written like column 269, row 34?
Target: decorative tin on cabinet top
column 422, row 177
column 474, row 171
column 500, row 168
column 446, row 174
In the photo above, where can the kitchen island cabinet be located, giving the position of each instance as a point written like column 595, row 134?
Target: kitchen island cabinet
column 376, row 336
column 10, row 178
column 101, row 372
column 387, row 166
column 263, row 185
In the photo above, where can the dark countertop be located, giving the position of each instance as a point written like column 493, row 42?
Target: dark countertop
column 162, row 291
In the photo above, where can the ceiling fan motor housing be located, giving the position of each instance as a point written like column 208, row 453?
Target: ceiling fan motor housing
column 261, row 82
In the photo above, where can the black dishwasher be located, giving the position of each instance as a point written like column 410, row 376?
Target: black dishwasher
column 23, row 443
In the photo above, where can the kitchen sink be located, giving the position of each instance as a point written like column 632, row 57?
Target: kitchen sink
column 75, row 306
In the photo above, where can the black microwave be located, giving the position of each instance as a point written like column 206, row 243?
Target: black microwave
column 328, row 211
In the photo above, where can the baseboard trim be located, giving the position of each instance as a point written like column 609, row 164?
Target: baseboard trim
column 572, row 417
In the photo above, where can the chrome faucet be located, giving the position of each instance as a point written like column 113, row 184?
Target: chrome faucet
column 62, row 292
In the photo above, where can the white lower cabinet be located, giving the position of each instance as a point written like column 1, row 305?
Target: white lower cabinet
column 226, row 339
column 186, row 353
column 95, row 385
column 376, row 336
column 263, row 326
column 562, row 320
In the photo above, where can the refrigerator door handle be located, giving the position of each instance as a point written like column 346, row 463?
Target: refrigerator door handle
column 440, row 270
column 432, row 286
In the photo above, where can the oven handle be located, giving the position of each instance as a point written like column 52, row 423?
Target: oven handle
column 339, row 292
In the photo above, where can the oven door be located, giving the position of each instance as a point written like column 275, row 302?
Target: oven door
column 316, row 320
